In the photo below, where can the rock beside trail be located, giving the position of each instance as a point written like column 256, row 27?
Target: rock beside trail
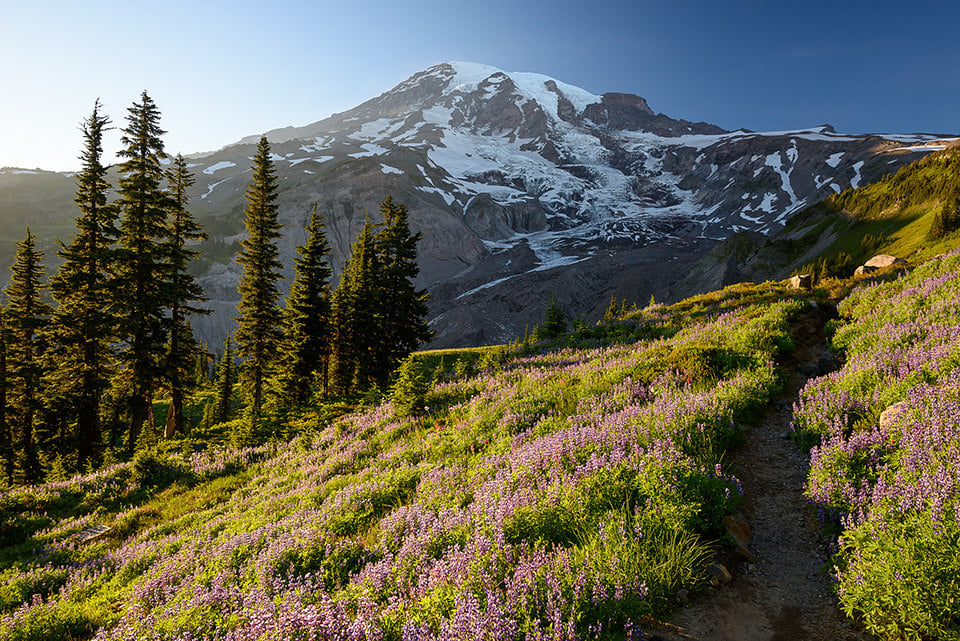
column 877, row 262
column 809, row 370
column 891, row 414
column 719, row 574
column 882, row 260
column 801, row 281
column 738, row 528
column 827, row 362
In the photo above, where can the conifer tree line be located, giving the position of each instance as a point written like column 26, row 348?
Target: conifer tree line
column 84, row 356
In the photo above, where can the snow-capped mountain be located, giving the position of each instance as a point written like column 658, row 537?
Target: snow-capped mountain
column 525, row 187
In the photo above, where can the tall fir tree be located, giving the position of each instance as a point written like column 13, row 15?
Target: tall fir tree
column 306, row 319
column 555, row 321
column 201, row 367
column 183, row 292
column 142, row 259
column 27, row 316
column 258, row 333
column 7, row 449
column 83, row 324
column 404, row 310
column 355, row 318
column 224, row 382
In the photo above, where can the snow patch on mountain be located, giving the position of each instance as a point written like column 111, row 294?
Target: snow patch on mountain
column 774, row 161
column 211, row 187
column 223, row 164
column 369, row 149
column 855, row 181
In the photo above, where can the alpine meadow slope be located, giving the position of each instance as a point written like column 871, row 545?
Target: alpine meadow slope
column 522, row 187
column 564, row 489
column 571, row 488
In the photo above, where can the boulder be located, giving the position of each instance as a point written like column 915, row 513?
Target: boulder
column 93, row 533
column 863, row 270
column 801, row 281
column 892, row 413
column 809, row 370
column 826, row 362
column 882, row 260
column 719, row 574
column 738, row 528
column 746, row 554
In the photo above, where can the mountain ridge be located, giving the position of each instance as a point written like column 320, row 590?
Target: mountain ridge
column 525, row 187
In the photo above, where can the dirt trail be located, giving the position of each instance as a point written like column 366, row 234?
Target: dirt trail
column 785, row 594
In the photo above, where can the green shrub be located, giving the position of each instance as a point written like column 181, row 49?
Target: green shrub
column 150, row 468
column 903, row 582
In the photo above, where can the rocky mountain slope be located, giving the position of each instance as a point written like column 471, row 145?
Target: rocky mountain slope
column 523, row 188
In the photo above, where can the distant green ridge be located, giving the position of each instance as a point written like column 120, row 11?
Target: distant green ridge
column 894, row 216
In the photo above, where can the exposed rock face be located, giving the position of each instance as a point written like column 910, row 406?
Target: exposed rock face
column 522, row 187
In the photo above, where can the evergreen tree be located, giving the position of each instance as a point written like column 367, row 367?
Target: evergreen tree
column 306, row 345
column 555, row 322
column 258, row 332
column 182, row 292
column 611, row 313
column 409, row 391
column 946, row 220
column 355, row 318
column 6, row 439
column 201, row 367
column 142, row 257
column 224, row 383
column 27, row 315
column 80, row 356
column 404, row 307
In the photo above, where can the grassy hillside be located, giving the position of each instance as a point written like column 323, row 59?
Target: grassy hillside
column 562, row 491
column 894, row 215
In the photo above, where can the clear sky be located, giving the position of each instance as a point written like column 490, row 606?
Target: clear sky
column 221, row 70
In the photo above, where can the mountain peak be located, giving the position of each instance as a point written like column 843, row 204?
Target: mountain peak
column 468, row 77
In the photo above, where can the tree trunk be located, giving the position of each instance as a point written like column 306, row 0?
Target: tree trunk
column 137, row 411
column 174, row 423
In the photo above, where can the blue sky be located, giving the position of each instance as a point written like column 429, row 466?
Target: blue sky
column 221, row 70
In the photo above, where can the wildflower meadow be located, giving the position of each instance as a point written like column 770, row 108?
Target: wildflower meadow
column 885, row 468
column 562, row 490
